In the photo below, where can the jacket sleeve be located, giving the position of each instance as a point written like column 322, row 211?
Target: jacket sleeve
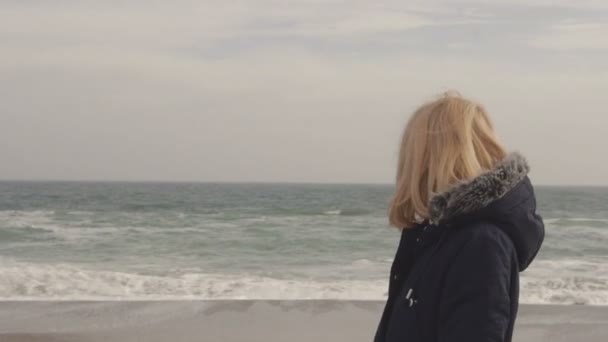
column 475, row 303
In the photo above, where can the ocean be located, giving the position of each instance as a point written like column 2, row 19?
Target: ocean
column 160, row 241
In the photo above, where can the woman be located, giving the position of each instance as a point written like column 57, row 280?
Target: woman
column 467, row 212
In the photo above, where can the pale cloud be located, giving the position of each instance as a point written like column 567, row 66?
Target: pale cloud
column 574, row 36
column 272, row 90
column 363, row 23
column 201, row 21
column 574, row 4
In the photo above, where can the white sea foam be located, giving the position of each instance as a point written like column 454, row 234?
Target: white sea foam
column 40, row 220
column 549, row 221
column 44, row 221
column 333, row 212
column 553, row 220
column 25, row 216
column 585, row 219
column 567, row 290
column 26, row 281
column 566, row 281
column 362, row 263
column 75, row 230
column 22, row 281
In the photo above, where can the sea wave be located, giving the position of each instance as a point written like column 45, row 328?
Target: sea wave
column 28, row 281
column 585, row 219
column 566, row 281
column 577, row 222
column 347, row 212
column 24, row 281
column 566, row 290
column 17, row 214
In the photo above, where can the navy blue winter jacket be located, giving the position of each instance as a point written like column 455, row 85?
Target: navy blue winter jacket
column 456, row 277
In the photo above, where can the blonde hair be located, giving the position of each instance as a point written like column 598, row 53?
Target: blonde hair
column 447, row 140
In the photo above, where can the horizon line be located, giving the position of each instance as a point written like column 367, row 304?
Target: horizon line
column 247, row 182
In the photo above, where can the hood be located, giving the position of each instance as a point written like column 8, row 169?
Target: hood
column 503, row 196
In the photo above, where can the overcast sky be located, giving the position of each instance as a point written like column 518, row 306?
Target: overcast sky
column 291, row 91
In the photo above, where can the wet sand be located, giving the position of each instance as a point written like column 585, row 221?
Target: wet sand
column 255, row 321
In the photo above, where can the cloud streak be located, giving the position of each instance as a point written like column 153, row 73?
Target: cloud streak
column 288, row 91
column 574, row 36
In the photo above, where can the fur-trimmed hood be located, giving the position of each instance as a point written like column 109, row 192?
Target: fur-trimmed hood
column 503, row 196
column 471, row 195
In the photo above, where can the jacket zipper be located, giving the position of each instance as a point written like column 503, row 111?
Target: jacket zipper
column 416, row 276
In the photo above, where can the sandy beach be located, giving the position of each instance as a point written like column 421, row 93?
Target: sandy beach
column 254, row 321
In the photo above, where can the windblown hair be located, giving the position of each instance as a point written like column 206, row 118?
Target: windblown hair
column 446, row 141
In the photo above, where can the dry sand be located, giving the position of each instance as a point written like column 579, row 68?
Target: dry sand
column 254, row 321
